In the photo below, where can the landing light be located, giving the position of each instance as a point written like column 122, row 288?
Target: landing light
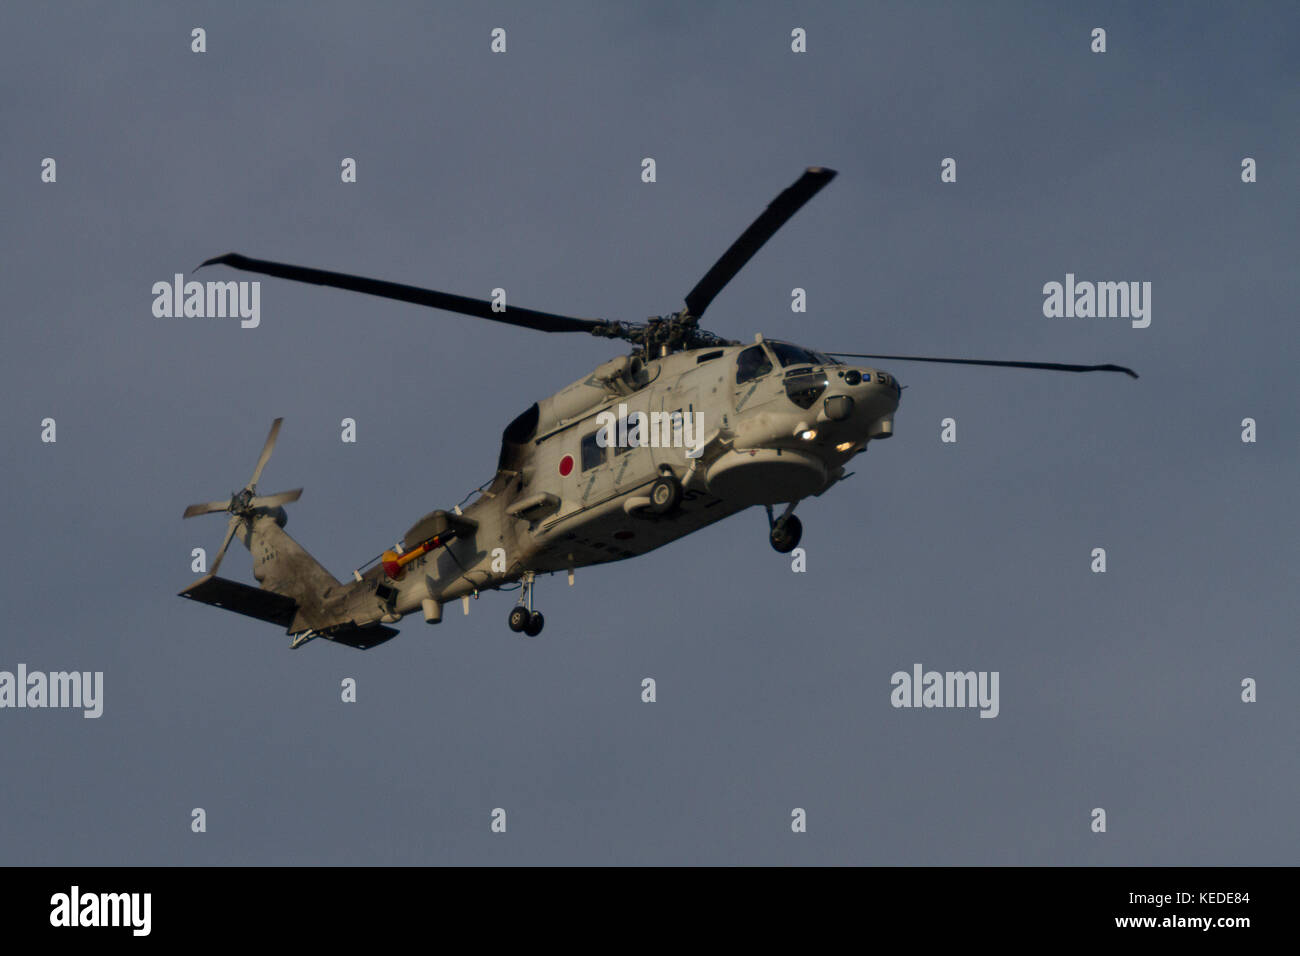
column 808, row 435
column 844, row 446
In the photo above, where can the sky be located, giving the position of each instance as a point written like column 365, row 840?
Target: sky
column 1119, row 690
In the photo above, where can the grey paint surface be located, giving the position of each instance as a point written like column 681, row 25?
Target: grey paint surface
column 1118, row 690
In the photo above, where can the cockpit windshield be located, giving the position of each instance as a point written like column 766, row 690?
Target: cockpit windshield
column 788, row 355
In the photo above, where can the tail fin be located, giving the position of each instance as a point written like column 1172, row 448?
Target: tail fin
column 284, row 567
column 296, row 592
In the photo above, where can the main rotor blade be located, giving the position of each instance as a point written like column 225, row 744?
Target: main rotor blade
column 274, row 501
column 266, row 453
column 751, row 240
column 1053, row 366
column 206, row 509
column 480, row 308
column 221, row 552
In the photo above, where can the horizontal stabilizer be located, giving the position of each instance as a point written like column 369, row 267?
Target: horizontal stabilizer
column 362, row 638
column 243, row 599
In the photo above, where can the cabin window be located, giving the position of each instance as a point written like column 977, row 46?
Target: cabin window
column 751, row 364
column 592, row 453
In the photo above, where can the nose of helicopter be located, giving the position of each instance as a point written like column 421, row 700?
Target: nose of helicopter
column 858, row 404
column 859, row 394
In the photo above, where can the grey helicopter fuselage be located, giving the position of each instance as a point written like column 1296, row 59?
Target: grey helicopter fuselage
column 768, row 423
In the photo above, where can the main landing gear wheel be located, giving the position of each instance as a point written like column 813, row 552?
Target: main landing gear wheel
column 523, row 619
column 665, row 495
column 785, row 534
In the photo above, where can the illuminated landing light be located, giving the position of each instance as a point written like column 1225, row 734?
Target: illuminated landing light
column 809, row 434
column 844, row 446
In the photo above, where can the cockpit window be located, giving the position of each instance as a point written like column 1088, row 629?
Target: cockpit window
column 752, row 363
column 788, row 355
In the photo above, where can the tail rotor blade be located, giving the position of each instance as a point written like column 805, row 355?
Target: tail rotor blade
column 274, row 501
column 206, row 509
column 266, row 453
column 221, row 553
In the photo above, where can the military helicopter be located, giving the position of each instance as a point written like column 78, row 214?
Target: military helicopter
column 688, row 429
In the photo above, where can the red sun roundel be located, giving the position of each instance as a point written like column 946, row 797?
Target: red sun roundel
column 566, row 465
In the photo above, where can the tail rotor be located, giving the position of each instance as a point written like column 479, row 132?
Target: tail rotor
column 244, row 504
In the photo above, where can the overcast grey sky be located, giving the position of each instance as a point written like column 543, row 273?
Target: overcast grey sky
column 1118, row 690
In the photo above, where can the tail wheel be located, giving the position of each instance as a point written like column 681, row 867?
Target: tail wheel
column 519, row 619
column 535, row 624
column 785, row 534
column 665, row 495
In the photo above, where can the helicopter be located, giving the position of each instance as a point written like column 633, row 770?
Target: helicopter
column 687, row 429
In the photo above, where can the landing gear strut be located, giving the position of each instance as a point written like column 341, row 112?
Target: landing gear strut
column 522, row 616
column 785, row 531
